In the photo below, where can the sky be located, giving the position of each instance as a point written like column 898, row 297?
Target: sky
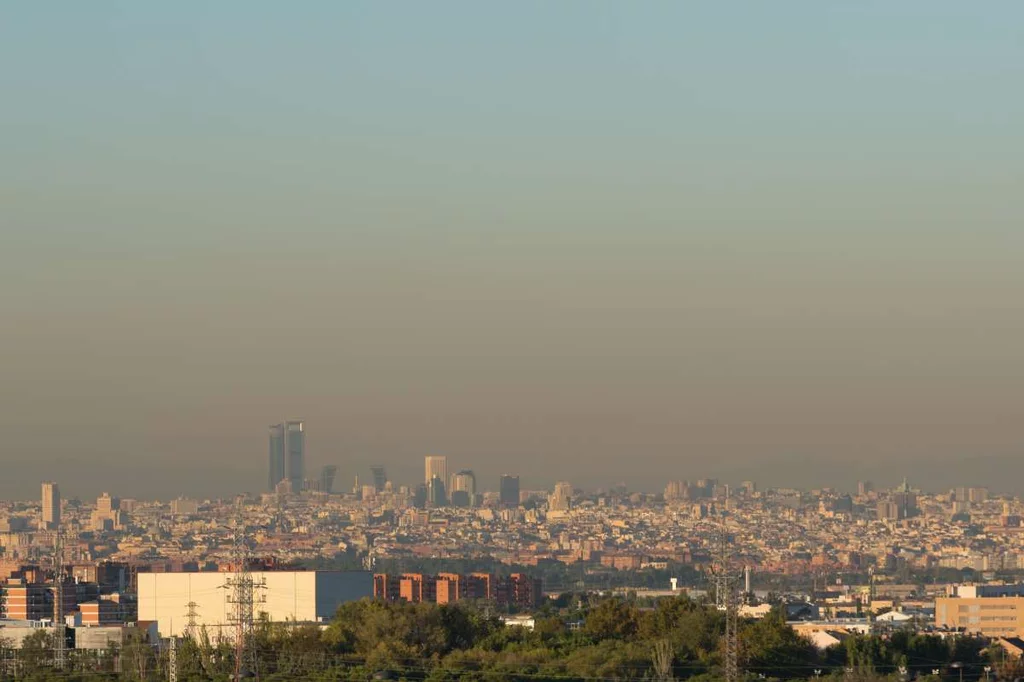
column 589, row 241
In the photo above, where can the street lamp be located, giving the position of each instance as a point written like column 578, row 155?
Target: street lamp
column 959, row 666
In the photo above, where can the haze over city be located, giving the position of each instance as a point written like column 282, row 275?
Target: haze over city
column 591, row 242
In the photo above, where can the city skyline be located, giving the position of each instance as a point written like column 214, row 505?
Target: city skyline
column 506, row 486
column 572, row 341
column 252, row 477
column 611, row 242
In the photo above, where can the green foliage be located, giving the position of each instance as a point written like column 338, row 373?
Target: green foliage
column 612, row 619
column 772, row 648
column 673, row 639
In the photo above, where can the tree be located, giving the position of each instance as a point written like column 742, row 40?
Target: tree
column 36, row 653
column 771, row 647
column 612, row 619
column 138, row 656
column 661, row 657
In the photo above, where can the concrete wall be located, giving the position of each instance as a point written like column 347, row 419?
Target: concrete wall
column 16, row 634
column 302, row 596
column 100, row 637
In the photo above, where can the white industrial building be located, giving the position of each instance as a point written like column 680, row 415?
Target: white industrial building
column 297, row 596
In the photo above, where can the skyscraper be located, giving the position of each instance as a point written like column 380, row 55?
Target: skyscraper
column 464, row 480
column 327, row 478
column 276, row 474
column 463, row 489
column 51, row 506
column 561, row 499
column 419, row 497
column 380, row 478
column 437, row 495
column 436, row 465
column 508, row 491
column 295, row 453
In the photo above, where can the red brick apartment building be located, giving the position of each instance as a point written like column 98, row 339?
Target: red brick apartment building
column 517, row 589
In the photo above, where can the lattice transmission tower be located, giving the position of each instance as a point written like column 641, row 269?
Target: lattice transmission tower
column 726, row 578
column 244, row 592
column 190, row 620
column 60, row 643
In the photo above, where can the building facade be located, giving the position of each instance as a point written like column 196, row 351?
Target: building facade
column 436, row 466
column 51, row 506
column 297, row 596
column 276, row 464
column 295, row 453
column 287, row 456
column 561, row 498
column 517, row 589
column 508, row 491
column 987, row 616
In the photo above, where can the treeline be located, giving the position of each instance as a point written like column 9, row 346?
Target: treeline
column 585, row 640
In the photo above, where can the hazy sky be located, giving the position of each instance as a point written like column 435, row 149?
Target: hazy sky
column 572, row 240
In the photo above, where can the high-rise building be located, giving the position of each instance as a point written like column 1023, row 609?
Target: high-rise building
column 906, row 500
column 380, row 478
column 419, row 496
column 327, row 478
column 963, row 494
column 108, row 513
column 508, row 491
column 465, row 481
column 184, row 507
column 436, row 493
column 674, row 490
column 436, row 465
column 865, row 488
column 449, row 587
column 517, row 589
column 295, row 453
column 51, row 506
column 523, row 591
column 105, row 504
column 276, row 470
column 561, row 499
